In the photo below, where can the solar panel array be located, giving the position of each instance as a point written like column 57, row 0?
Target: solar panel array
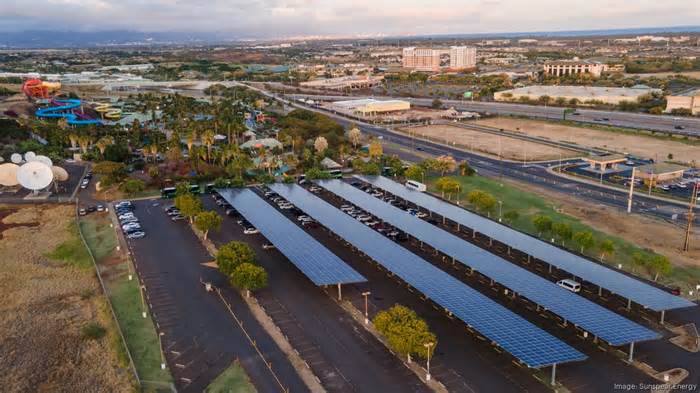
column 590, row 316
column 528, row 343
column 318, row 263
column 616, row 282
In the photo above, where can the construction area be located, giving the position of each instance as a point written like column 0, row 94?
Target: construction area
column 636, row 144
column 505, row 147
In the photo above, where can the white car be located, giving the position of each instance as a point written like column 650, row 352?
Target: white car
column 129, row 220
column 126, row 215
column 136, row 235
column 251, row 231
column 100, row 208
column 286, row 206
column 268, row 246
column 131, row 226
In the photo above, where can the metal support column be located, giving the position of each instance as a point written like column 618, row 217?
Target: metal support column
column 553, row 381
column 629, row 358
column 340, row 293
column 663, row 315
column 629, row 304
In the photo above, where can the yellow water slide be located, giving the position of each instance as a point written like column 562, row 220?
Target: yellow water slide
column 108, row 112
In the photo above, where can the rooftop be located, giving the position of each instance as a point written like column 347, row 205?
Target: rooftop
column 661, row 167
column 580, row 91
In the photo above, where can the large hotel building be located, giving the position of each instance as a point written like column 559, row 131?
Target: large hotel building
column 428, row 59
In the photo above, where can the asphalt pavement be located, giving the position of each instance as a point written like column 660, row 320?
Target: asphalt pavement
column 200, row 337
column 344, row 356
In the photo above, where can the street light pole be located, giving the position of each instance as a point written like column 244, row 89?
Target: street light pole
column 162, row 355
column 428, row 345
column 500, row 211
column 366, row 294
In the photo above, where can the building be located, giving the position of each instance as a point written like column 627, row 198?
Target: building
column 662, row 173
column 462, row 57
column 345, row 82
column 584, row 94
column 421, row 59
column 429, row 59
column 571, row 67
column 690, row 102
column 605, row 164
column 370, row 107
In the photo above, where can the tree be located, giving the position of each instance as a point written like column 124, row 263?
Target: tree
column 563, row 231
column 132, row 186
column 189, row 205
column 510, row 216
column 249, row 277
column 436, row 104
column 233, row 254
column 638, row 260
column 447, row 186
column 444, row 164
column 406, row 333
column 375, row 149
column 208, row 141
column 607, row 247
column 659, row 265
column 481, row 200
column 102, row 144
column 415, row 172
column 542, row 224
column 465, row 169
column 320, row 145
column 355, row 136
column 207, row 221
column 584, row 239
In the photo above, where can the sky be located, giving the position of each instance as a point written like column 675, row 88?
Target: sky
column 287, row 18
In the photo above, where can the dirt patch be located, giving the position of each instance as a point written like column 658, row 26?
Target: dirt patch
column 638, row 144
column 45, row 306
column 494, row 145
column 657, row 235
column 6, row 224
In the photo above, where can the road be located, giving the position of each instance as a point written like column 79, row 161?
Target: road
column 200, row 337
column 666, row 124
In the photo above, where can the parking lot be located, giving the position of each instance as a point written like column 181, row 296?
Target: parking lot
column 342, row 354
column 200, row 338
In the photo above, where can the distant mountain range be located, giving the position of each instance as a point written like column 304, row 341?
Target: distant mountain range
column 73, row 39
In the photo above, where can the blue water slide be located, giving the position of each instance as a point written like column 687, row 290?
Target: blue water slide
column 64, row 108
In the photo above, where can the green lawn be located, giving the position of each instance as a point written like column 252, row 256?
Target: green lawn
column 139, row 332
column 529, row 205
column 233, row 380
column 72, row 251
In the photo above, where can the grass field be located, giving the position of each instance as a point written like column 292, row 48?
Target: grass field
column 232, row 380
column 529, row 205
column 139, row 332
column 72, row 251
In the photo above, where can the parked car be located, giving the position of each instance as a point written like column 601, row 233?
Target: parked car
column 82, row 212
column 136, row 235
column 131, row 226
column 126, row 215
column 570, row 285
column 177, row 217
column 309, row 224
column 268, row 246
column 251, row 231
column 129, row 220
column 100, row 208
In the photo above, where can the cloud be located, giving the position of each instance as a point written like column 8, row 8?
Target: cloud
column 266, row 18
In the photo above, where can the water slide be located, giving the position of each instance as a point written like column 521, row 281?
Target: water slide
column 108, row 112
column 66, row 108
column 36, row 88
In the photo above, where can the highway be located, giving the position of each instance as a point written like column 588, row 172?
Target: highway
column 535, row 174
column 667, row 124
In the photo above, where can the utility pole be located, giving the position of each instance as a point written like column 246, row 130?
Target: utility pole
column 365, row 294
column 629, row 198
column 691, row 216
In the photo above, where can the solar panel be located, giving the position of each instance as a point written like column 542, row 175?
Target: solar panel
column 320, row 265
column 602, row 276
column 528, row 343
column 590, row 316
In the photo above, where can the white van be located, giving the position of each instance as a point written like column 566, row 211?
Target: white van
column 414, row 185
column 569, row 284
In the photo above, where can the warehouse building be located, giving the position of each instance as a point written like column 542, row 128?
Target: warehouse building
column 370, row 107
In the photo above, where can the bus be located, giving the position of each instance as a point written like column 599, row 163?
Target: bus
column 414, row 185
column 336, row 174
column 168, row 192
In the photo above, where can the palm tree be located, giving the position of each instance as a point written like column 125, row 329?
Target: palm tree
column 102, row 144
column 191, row 138
column 73, row 140
column 208, row 141
column 84, row 142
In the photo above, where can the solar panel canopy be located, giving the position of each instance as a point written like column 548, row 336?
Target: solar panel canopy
column 580, row 311
column 528, row 343
column 318, row 263
column 616, row 282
